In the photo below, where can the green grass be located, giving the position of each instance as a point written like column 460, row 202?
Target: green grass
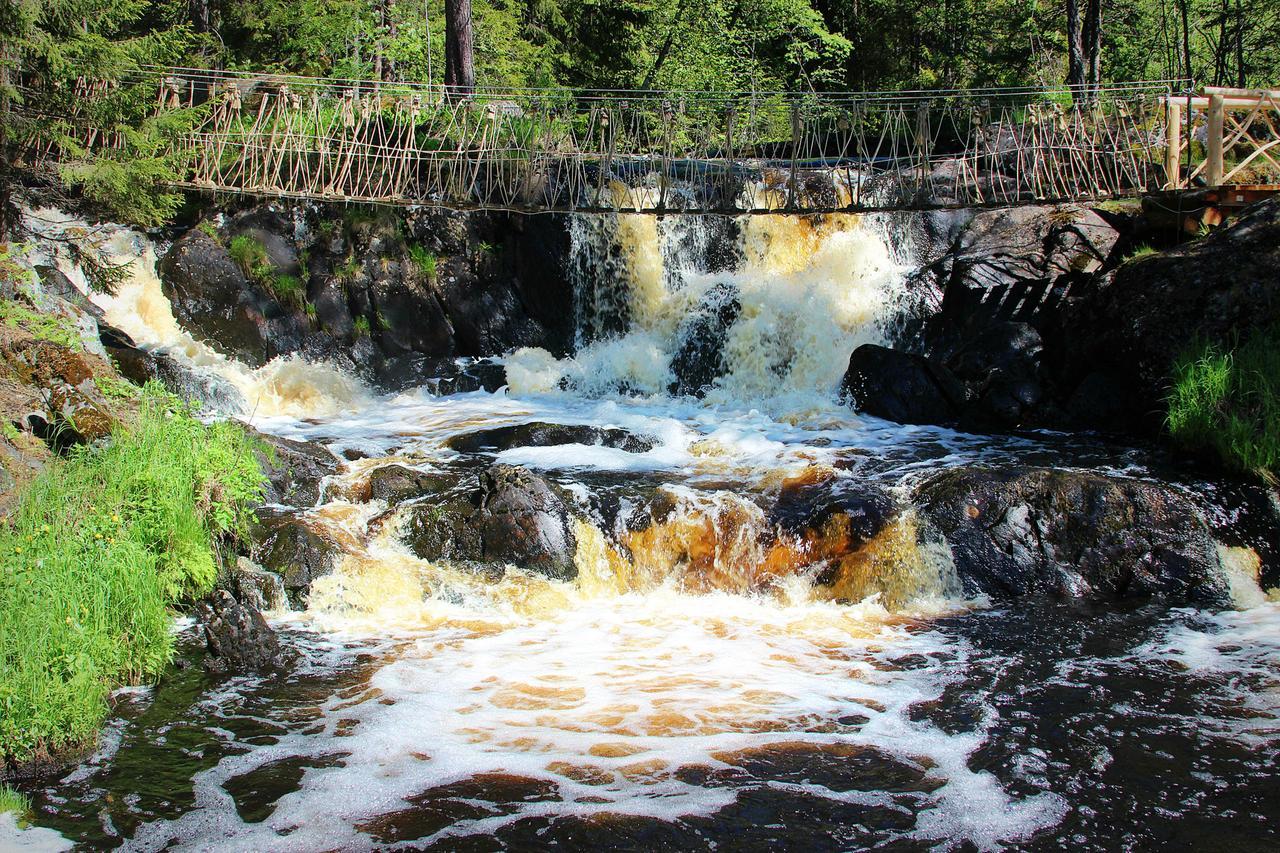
column 289, row 290
column 114, row 387
column 1228, row 402
column 1139, row 253
column 424, row 260
column 98, row 548
column 12, row 801
column 10, row 431
column 211, row 230
column 251, row 256
column 362, row 327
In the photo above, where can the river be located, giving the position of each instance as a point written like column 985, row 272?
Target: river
column 694, row 687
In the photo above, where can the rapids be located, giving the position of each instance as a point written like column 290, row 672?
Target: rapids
column 682, row 691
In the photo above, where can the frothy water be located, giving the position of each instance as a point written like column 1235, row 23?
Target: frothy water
column 694, row 686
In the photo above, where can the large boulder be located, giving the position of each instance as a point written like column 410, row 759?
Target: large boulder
column 1018, row 531
column 284, row 543
column 509, row 515
column 1138, row 319
column 212, row 299
column 901, row 386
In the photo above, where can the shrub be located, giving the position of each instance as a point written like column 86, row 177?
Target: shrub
column 362, row 327
column 1228, row 402
column 97, row 549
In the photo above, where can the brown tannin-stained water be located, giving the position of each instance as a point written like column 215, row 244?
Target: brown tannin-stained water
column 699, row 684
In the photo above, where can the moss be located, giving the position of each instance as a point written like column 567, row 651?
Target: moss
column 98, row 548
column 207, row 227
column 1139, row 253
column 1227, row 402
column 11, row 432
column 49, row 327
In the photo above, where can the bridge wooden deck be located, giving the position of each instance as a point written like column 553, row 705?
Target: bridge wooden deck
column 692, row 152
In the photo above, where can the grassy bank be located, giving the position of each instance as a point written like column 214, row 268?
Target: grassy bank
column 97, row 549
column 1227, row 401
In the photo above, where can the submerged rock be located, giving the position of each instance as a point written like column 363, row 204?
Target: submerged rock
column 1018, row 531
column 539, row 434
column 699, row 360
column 509, row 515
column 237, row 637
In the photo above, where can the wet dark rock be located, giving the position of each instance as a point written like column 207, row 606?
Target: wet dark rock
column 212, row 299
column 1019, row 531
column 509, row 515
column 525, row 522
column 294, row 469
column 699, row 359
column 998, row 365
column 285, row 544
column 808, row 503
column 397, row 483
column 254, row 586
column 540, row 434
column 238, row 639
column 1139, row 318
column 901, row 386
column 439, row 375
column 376, row 303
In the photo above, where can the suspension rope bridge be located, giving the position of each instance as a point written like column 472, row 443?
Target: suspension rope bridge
column 683, row 152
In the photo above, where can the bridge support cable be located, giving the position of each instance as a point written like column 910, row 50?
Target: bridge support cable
column 671, row 152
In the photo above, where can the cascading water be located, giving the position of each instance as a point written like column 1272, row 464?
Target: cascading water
column 710, row 677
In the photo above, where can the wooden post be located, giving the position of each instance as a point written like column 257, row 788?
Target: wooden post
column 1213, row 166
column 793, row 184
column 1173, row 153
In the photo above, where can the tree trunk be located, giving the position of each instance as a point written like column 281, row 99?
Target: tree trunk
column 459, row 54
column 199, row 10
column 1092, row 38
column 1075, row 50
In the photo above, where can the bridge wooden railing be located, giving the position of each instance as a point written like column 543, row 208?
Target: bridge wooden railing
column 1243, row 124
column 664, row 152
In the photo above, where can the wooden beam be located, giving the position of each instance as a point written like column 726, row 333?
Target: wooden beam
column 1213, row 165
column 1173, row 150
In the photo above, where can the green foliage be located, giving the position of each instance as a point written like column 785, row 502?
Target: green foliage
column 113, row 386
column 362, row 327
column 209, row 229
column 424, row 260
column 1228, row 402
column 12, row 801
column 288, row 289
column 43, row 326
column 9, row 431
column 98, row 547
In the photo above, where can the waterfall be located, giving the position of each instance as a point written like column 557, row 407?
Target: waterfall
column 757, row 311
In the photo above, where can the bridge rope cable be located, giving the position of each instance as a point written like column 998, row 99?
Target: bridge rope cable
column 629, row 151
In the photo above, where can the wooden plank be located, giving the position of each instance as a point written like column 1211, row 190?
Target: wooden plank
column 1213, row 168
